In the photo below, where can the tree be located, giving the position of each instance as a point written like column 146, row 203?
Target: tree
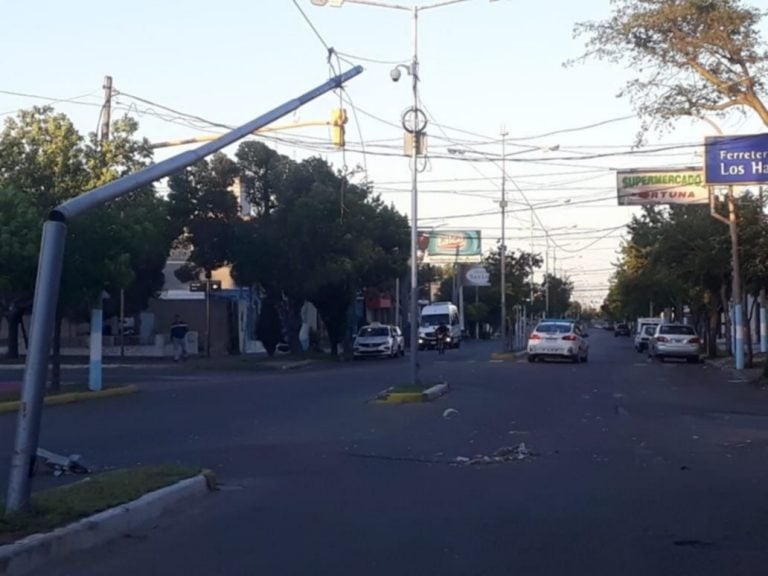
column 693, row 56
column 268, row 329
column 264, row 174
column 124, row 245
column 203, row 211
column 323, row 240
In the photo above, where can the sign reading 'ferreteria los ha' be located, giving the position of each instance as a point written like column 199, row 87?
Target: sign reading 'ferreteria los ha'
column 659, row 186
column 730, row 160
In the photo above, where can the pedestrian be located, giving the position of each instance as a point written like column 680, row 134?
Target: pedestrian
column 179, row 331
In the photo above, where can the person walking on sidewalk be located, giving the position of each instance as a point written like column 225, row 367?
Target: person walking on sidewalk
column 179, row 331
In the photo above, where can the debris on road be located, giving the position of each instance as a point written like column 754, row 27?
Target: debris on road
column 449, row 413
column 60, row 464
column 503, row 454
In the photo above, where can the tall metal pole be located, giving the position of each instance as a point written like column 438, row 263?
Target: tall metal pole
column 415, row 206
column 531, row 299
column 738, row 312
column 503, row 249
column 41, row 330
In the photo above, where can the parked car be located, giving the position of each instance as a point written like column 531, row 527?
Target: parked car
column 379, row 340
column 558, row 339
column 622, row 330
column 646, row 328
column 675, row 341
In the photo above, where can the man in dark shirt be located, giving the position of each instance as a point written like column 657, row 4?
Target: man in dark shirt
column 179, row 331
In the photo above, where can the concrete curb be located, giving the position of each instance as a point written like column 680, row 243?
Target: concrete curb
column 71, row 397
column 32, row 552
column 435, row 391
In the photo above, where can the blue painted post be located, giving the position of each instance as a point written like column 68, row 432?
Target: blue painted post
column 94, row 366
column 738, row 313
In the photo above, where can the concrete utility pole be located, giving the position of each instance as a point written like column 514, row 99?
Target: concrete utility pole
column 97, row 312
column 503, row 249
column 418, row 122
column 106, row 111
column 738, row 309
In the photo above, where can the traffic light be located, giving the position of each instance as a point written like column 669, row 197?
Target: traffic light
column 338, row 120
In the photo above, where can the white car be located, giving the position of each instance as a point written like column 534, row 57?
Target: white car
column 646, row 328
column 379, row 340
column 675, row 341
column 558, row 339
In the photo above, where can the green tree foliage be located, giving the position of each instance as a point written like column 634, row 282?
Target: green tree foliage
column 318, row 238
column 44, row 160
column 680, row 257
column 268, row 329
column 487, row 309
column 692, row 56
column 204, row 212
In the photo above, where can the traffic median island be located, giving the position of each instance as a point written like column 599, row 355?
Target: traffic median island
column 407, row 394
column 100, row 508
column 10, row 402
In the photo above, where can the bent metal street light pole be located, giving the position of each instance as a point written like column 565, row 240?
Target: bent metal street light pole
column 49, row 276
column 417, row 130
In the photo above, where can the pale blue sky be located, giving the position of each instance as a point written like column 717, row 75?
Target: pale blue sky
column 483, row 64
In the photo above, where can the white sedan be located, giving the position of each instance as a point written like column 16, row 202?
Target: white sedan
column 558, row 339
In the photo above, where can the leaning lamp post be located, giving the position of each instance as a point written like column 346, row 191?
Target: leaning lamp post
column 414, row 121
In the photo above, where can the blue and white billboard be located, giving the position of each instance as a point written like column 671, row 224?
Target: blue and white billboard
column 730, row 160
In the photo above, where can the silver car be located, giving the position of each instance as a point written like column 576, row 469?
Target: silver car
column 379, row 340
column 675, row 341
column 558, row 339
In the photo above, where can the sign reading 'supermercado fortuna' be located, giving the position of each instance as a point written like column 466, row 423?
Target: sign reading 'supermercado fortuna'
column 671, row 186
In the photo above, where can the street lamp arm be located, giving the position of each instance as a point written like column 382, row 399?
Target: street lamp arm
column 440, row 4
column 383, row 4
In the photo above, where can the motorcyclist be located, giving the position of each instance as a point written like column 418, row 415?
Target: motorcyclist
column 441, row 333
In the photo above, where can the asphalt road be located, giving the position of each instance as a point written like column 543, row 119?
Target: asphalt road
column 639, row 469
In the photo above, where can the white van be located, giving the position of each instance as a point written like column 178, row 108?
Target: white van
column 432, row 316
column 645, row 328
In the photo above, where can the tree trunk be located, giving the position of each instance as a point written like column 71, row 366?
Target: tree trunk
column 350, row 330
column 712, row 329
column 24, row 333
column 13, row 319
column 55, row 385
column 750, row 357
column 294, row 325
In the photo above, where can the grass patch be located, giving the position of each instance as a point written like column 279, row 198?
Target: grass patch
column 65, row 504
column 408, row 389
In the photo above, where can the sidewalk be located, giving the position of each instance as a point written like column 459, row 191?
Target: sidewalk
column 728, row 364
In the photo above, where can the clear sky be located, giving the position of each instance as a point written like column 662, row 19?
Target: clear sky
column 483, row 65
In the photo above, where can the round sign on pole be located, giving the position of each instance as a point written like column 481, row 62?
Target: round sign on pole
column 414, row 120
column 478, row 276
